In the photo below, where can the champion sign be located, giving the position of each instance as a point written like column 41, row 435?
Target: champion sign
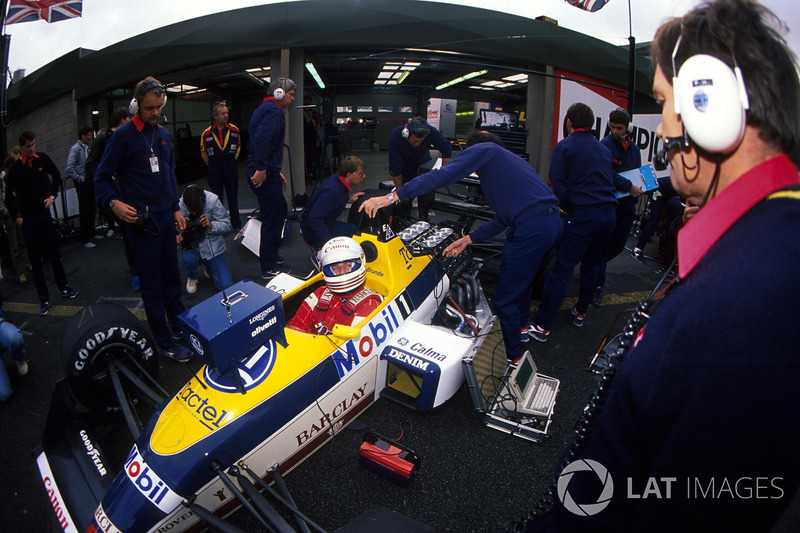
column 149, row 484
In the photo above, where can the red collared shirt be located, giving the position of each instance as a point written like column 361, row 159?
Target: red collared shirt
column 713, row 220
column 344, row 182
column 25, row 160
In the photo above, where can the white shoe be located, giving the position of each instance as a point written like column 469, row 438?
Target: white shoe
column 109, row 234
column 191, row 286
column 22, row 367
column 89, row 245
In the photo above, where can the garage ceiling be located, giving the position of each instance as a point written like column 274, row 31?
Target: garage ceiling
column 348, row 41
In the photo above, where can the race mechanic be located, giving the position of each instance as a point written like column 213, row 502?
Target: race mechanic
column 409, row 148
column 319, row 221
column 344, row 299
column 523, row 204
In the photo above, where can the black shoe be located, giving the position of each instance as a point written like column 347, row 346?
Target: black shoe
column 638, row 255
column 178, row 353
column 280, row 260
column 44, row 308
column 280, row 269
column 177, row 335
column 69, row 292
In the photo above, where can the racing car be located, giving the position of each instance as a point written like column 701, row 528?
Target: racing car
column 266, row 397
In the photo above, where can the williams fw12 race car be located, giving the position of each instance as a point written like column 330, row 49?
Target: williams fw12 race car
column 266, row 397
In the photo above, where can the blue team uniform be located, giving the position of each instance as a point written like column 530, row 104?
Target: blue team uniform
column 524, row 206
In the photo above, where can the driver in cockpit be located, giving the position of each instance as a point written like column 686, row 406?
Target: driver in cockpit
column 344, row 299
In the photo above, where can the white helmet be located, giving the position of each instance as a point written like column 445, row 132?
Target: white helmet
column 343, row 250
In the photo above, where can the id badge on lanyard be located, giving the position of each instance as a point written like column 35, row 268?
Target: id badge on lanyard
column 154, row 164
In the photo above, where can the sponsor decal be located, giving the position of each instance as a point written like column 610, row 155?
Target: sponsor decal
column 93, row 453
column 376, row 272
column 262, row 315
column 408, row 359
column 175, row 522
column 104, row 522
column 149, row 484
column 276, row 289
column 427, row 352
column 196, row 404
column 196, row 344
column 269, row 323
column 253, row 370
column 407, row 257
column 330, row 419
column 377, row 331
column 402, row 341
column 64, row 519
column 112, row 334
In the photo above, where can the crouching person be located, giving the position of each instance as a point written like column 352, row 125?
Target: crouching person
column 207, row 221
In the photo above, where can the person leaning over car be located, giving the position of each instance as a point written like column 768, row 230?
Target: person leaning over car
column 523, row 205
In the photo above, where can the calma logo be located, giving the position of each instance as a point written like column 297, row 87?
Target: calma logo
column 585, row 509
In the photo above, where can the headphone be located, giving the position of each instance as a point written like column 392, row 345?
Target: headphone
column 418, row 128
column 279, row 93
column 628, row 119
column 133, row 106
column 711, row 100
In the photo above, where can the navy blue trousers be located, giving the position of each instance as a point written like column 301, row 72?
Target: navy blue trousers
column 42, row 239
column 155, row 251
column 223, row 178
column 272, row 214
column 626, row 214
column 587, row 231
column 527, row 242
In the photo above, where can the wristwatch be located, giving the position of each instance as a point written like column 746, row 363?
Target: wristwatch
column 391, row 197
column 111, row 204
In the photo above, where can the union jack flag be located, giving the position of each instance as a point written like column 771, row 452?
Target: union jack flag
column 588, row 5
column 49, row 10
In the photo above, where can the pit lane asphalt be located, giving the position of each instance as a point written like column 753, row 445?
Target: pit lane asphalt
column 472, row 478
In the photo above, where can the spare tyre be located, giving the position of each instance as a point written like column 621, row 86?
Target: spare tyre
column 94, row 336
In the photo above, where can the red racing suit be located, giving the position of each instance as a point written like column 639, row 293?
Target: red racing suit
column 323, row 309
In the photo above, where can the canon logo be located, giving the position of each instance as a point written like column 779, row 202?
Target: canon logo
column 58, row 507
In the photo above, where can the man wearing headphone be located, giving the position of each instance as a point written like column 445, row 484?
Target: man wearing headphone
column 267, row 132
column 625, row 155
column 219, row 147
column 705, row 400
column 136, row 180
column 409, row 148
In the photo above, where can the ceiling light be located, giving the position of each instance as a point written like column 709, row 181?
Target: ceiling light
column 517, row 78
column 314, row 74
column 462, row 78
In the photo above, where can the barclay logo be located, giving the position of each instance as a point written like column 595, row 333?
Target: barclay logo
column 585, row 509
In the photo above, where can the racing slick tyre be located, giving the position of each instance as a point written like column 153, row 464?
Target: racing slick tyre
column 94, row 336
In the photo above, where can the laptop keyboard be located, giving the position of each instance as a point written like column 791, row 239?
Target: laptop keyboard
column 542, row 399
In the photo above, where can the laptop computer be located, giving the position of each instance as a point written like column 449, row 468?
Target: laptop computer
column 532, row 393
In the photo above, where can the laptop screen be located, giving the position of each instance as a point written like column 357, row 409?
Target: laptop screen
column 525, row 373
